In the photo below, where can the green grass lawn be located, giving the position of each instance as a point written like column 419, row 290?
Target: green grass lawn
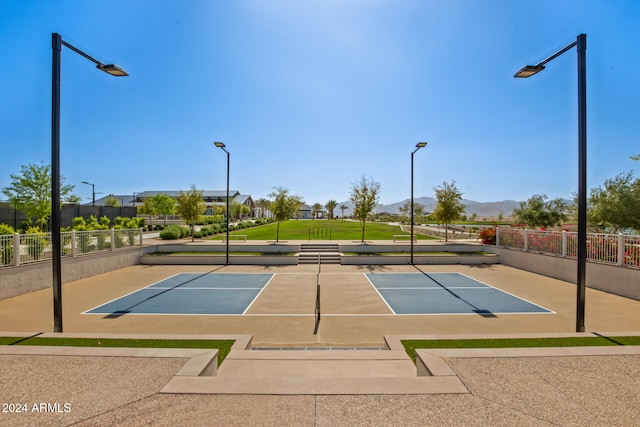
column 223, row 346
column 340, row 230
column 412, row 345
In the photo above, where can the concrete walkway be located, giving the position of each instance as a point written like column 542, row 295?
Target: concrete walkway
column 592, row 386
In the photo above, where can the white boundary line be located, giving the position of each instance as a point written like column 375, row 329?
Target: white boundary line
column 549, row 311
column 379, row 294
column 487, row 286
column 185, row 289
column 273, row 275
column 130, row 293
column 259, row 293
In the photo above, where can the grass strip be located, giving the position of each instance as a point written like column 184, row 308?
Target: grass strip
column 308, row 229
column 412, row 345
column 223, row 346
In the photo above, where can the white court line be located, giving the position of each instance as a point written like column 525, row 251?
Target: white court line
column 379, row 294
column 259, row 293
column 436, row 288
column 509, row 293
column 130, row 293
column 171, row 288
column 206, row 289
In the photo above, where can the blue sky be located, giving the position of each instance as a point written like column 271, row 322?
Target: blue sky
column 311, row 95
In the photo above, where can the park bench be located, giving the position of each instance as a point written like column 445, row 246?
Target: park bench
column 242, row 237
column 403, row 237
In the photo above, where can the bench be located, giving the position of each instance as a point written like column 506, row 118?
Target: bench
column 403, row 237
column 242, row 237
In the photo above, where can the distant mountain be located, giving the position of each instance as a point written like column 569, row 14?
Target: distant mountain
column 481, row 209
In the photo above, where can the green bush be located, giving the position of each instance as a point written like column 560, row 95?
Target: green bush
column 6, row 248
column 37, row 243
column 173, row 232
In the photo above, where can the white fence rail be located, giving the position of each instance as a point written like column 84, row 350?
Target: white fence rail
column 616, row 249
column 19, row 249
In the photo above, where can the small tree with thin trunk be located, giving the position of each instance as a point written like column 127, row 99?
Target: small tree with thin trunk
column 190, row 206
column 164, row 205
column 449, row 207
column 364, row 196
column 283, row 206
column 30, row 192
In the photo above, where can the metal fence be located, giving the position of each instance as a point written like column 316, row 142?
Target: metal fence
column 19, row 249
column 616, row 249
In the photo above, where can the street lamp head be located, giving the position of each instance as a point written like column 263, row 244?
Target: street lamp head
column 112, row 69
column 219, row 144
column 421, row 144
column 528, row 71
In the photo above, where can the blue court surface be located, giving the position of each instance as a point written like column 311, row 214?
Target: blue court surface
column 447, row 293
column 191, row 293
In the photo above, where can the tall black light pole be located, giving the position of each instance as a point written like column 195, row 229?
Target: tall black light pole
column 222, row 146
column 93, row 192
column 419, row 145
column 56, row 45
column 527, row 71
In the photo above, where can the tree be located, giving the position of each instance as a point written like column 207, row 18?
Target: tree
column 263, row 205
column 164, row 205
column 342, row 208
column 190, row 206
column 330, row 206
column 538, row 212
column 616, row 204
column 30, row 192
column 236, row 209
column 283, row 206
column 449, row 206
column 317, row 209
column 147, row 207
column 364, row 196
column 112, row 201
column 418, row 210
column 244, row 210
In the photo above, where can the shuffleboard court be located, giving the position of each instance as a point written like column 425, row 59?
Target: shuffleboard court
column 446, row 293
column 191, row 293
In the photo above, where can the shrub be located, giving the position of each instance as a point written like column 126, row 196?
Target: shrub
column 6, row 247
column 173, row 232
column 488, row 236
column 36, row 243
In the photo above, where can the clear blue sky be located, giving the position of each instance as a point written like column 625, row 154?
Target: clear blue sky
column 311, row 95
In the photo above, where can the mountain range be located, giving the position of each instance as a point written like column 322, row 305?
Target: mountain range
column 481, row 209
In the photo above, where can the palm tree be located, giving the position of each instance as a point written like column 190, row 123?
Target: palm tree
column 330, row 206
column 317, row 208
column 263, row 205
column 342, row 208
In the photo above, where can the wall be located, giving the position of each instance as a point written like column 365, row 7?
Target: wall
column 623, row 281
column 27, row 278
